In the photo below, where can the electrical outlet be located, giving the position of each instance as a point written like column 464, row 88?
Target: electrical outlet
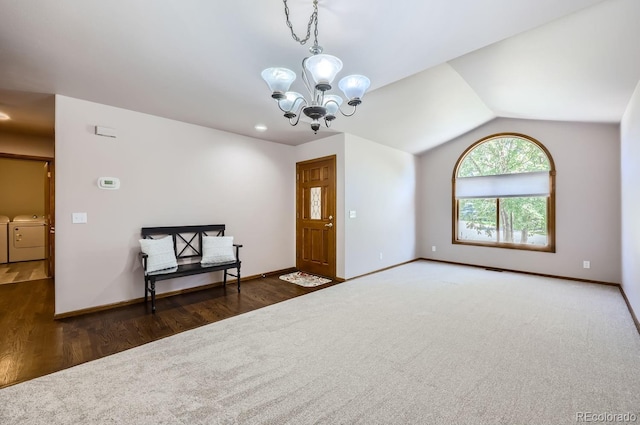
column 586, row 264
column 381, row 256
column 433, row 248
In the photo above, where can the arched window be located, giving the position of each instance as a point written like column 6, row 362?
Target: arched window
column 504, row 194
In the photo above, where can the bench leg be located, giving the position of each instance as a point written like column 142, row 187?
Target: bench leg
column 224, row 280
column 153, row 297
column 146, row 290
column 238, row 269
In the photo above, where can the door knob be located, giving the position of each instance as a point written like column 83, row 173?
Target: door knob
column 328, row 225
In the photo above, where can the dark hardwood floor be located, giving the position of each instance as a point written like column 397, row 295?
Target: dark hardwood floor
column 33, row 344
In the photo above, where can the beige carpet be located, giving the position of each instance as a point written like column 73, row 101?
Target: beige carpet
column 424, row 343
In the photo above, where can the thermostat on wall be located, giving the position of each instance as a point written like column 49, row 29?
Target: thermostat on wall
column 109, row 183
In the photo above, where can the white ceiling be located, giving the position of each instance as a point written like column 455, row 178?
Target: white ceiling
column 438, row 68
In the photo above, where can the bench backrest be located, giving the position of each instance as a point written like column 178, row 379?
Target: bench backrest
column 187, row 240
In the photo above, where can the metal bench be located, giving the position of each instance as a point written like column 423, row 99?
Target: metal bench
column 187, row 245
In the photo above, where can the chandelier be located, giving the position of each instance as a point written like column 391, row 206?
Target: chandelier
column 318, row 72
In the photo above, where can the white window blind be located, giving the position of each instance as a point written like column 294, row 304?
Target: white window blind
column 503, row 185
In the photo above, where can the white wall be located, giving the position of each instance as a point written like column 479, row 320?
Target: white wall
column 25, row 144
column 171, row 173
column 177, row 173
column 22, row 187
column 380, row 185
column 332, row 145
column 378, row 182
column 587, row 201
column 630, row 172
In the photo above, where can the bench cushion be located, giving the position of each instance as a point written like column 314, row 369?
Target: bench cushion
column 217, row 249
column 160, row 253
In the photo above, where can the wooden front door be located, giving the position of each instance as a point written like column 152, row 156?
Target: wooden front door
column 315, row 216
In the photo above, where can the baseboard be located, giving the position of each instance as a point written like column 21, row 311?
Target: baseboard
column 276, row 273
column 633, row 314
column 383, row 269
column 626, row 300
column 292, row 269
column 82, row 312
column 575, row 279
column 104, row 307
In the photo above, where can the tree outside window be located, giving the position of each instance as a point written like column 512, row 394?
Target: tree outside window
column 504, row 194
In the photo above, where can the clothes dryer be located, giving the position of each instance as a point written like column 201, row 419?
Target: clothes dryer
column 26, row 238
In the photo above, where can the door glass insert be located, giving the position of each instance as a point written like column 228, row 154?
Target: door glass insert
column 316, row 203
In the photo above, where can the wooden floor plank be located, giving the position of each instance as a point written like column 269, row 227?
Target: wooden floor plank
column 33, row 344
column 22, row 271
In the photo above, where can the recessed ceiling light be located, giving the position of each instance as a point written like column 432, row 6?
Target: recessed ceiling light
column 260, row 127
column 4, row 117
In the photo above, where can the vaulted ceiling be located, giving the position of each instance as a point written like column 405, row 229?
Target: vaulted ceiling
column 438, row 68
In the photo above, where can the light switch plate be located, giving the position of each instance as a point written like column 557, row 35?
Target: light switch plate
column 79, row 218
column 352, row 214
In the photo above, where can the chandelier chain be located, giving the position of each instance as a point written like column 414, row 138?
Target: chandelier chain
column 313, row 19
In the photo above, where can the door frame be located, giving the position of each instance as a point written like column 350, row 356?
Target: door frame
column 335, row 222
column 49, row 210
column 49, row 206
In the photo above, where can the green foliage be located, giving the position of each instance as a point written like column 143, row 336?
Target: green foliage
column 504, row 155
column 527, row 215
column 479, row 215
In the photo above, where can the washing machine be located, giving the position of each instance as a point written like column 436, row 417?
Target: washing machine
column 26, row 238
column 4, row 239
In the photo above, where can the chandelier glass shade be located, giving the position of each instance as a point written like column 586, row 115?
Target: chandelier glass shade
column 279, row 80
column 318, row 73
column 323, row 69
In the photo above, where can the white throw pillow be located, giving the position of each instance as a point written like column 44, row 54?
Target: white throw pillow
column 160, row 253
column 217, row 249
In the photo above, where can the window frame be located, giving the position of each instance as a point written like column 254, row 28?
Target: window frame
column 551, row 201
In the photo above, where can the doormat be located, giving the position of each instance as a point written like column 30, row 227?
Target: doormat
column 304, row 279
